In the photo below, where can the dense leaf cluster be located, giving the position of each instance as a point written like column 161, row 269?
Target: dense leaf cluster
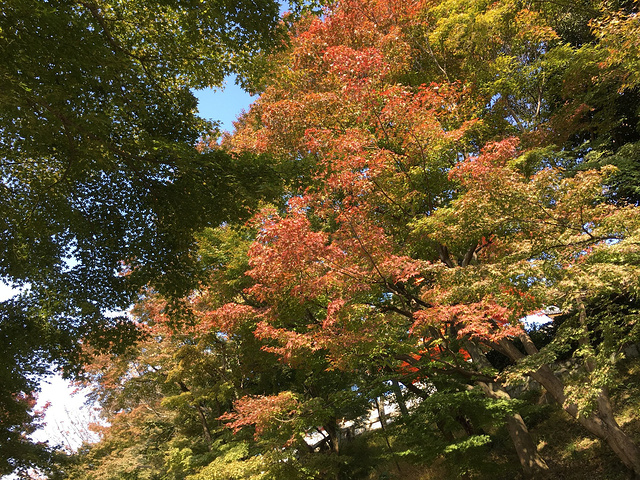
column 436, row 171
column 102, row 184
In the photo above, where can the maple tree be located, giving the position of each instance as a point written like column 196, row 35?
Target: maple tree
column 168, row 400
column 410, row 189
column 450, row 168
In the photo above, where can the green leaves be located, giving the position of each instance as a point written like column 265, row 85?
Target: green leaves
column 103, row 188
column 436, row 159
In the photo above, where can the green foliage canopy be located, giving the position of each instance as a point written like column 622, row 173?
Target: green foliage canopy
column 101, row 182
column 444, row 189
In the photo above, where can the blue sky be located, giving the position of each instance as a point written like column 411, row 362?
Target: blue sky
column 223, row 105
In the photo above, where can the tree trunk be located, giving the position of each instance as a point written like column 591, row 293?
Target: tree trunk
column 381, row 415
column 532, row 462
column 203, row 418
column 333, row 429
column 383, row 426
column 334, row 436
column 397, row 391
column 602, row 423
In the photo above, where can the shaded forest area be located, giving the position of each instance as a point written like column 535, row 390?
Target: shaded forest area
column 335, row 290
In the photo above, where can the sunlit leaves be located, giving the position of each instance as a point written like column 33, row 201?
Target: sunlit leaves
column 438, row 161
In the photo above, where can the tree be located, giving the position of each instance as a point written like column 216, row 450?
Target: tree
column 444, row 187
column 415, row 210
column 552, row 240
column 169, row 399
column 102, row 185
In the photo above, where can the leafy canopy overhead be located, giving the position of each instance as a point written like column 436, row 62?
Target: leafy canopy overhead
column 102, row 184
column 446, row 170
